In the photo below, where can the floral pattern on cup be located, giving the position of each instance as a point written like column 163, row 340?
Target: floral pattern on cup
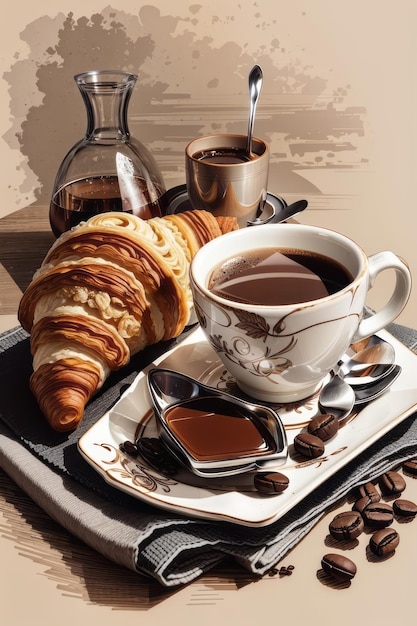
column 239, row 351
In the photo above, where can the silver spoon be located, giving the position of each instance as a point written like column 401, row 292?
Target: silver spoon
column 369, row 342
column 363, row 395
column 362, row 375
column 255, row 86
column 340, row 398
column 374, row 349
column 362, row 370
column 337, row 397
column 369, row 364
column 288, row 211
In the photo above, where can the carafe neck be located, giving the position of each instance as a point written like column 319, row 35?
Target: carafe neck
column 106, row 96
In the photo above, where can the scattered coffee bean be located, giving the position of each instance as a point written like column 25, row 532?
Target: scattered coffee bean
column 410, row 467
column 384, row 542
column 404, row 508
column 369, row 490
column 361, row 504
column 283, row 570
column 270, row 482
column 154, row 452
column 338, row 566
column 308, row 445
column 129, row 448
column 346, row 525
column 369, row 510
column 324, row 426
column 392, row 483
column 286, row 571
column 378, row 514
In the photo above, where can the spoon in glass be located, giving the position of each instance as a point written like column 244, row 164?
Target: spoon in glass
column 255, row 86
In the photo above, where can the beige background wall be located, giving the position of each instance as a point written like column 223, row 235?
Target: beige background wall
column 339, row 108
column 338, row 104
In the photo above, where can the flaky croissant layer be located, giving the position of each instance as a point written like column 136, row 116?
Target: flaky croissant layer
column 107, row 289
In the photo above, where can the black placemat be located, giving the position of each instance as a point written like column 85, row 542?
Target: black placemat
column 20, row 412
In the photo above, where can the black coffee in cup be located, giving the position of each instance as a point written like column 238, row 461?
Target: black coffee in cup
column 275, row 276
column 223, row 156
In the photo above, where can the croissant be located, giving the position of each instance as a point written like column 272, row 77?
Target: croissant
column 107, row 289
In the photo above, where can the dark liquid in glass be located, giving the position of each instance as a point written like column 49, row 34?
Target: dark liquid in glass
column 80, row 200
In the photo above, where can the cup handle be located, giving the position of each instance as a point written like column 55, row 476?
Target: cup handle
column 377, row 263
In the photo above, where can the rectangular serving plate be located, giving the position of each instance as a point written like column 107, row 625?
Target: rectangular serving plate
column 235, row 499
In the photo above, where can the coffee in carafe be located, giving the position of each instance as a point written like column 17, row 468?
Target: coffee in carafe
column 108, row 170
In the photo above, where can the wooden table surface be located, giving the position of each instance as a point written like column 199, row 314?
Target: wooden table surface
column 50, row 577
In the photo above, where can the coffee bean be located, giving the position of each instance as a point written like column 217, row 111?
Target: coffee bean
column 154, row 452
column 285, row 571
column 270, row 482
column 410, row 467
column 384, row 542
column 129, row 448
column 378, row 514
column 338, row 566
column 308, row 445
column 392, row 483
column 361, row 504
column 346, row 525
column 324, row 426
column 369, row 490
column 404, row 508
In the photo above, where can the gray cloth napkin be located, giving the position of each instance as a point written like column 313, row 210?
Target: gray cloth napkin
column 172, row 548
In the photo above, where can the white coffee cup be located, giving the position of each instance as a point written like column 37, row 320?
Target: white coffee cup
column 281, row 353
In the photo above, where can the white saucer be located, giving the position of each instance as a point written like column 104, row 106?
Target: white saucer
column 234, row 499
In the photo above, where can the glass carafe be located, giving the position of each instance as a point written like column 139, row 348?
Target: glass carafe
column 107, row 170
